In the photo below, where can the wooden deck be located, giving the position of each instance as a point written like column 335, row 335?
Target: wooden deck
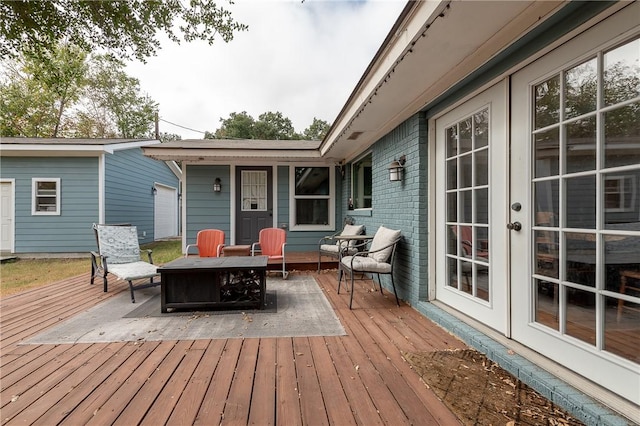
column 357, row 379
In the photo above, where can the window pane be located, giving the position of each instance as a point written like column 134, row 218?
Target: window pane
column 312, row 180
column 581, row 145
column 621, row 80
column 547, row 147
column 580, row 89
column 482, row 167
column 581, row 202
column 547, row 102
column 452, row 141
column 466, row 175
column 581, row 315
column 361, row 173
column 580, row 259
column 465, row 135
column 622, row 136
column 312, row 212
column 481, row 126
column 46, row 196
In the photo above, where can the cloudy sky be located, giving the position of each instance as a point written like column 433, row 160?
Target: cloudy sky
column 302, row 59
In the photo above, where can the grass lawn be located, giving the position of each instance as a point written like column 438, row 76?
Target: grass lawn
column 23, row 274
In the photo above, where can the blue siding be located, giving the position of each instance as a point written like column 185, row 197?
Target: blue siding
column 129, row 176
column 71, row 230
column 207, row 209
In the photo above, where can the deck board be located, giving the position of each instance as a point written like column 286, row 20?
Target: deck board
column 357, row 379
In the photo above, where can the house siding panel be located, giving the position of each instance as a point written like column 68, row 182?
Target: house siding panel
column 129, row 177
column 71, row 230
column 207, row 209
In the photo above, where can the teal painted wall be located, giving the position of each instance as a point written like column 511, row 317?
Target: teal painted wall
column 400, row 205
column 206, row 209
column 71, row 230
column 129, row 176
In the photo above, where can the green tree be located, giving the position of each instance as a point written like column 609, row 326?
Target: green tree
column 39, row 90
column 125, row 28
column 317, row 130
column 168, row 137
column 237, row 126
column 274, row 126
column 113, row 104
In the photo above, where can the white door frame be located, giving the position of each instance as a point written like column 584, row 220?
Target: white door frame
column 8, row 213
column 495, row 311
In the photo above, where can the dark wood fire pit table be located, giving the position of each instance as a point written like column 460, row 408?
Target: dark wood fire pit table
column 214, row 283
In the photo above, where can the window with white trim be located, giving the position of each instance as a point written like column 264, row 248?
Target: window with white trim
column 312, row 198
column 619, row 193
column 362, row 183
column 45, row 196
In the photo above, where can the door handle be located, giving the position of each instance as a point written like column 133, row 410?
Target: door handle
column 514, row 226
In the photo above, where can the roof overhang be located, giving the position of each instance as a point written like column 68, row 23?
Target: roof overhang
column 214, row 151
column 64, row 147
column 432, row 46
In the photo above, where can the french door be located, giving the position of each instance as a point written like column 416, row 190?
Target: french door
column 575, row 172
column 471, row 171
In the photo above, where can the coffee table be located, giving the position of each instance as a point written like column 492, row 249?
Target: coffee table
column 214, row 283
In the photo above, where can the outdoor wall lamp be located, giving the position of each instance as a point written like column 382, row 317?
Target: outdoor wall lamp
column 217, row 185
column 154, row 190
column 396, row 169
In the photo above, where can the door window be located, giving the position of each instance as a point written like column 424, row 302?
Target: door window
column 254, row 190
column 467, row 210
column 586, row 218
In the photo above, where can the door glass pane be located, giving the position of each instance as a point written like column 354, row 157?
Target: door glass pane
column 580, row 148
column 547, row 103
column 465, row 136
column 621, row 317
column 580, row 258
column 466, row 168
column 546, row 303
column 581, row 89
column 622, row 136
column 482, row 206
column 482, row 167
column 581, row 314
column 465, row 212
column 547, row 147
column 621, row 80
column 547, row 204
column 452, row 173
column 622, row 263
column 546, row 253
column 581, row 202
column 254, row 190
column 481, row 126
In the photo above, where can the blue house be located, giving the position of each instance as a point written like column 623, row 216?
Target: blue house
column 53, row 190
column 516, row 126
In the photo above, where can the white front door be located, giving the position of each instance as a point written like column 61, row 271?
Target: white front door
column 471, row 171
column 575, row 170
column 6, row 217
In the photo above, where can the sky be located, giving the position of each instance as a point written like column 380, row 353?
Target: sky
column 300, row 58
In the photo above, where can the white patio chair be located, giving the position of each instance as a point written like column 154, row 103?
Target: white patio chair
column 379, row 259
column 119, row 254
column 332, row 247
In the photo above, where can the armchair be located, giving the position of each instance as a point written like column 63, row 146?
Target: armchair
column 331, row 247
column 379, row 259
column 119, row 253
column 209, row 243
column 271, row 243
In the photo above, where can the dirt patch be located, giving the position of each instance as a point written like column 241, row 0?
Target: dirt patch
column 479, row 392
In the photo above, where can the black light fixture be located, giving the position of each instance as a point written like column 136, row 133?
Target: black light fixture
column 217, row 185
column 396, row 169
column 154, row 190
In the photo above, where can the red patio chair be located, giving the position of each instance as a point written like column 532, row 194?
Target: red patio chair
column 272, row 242
column 209, row 243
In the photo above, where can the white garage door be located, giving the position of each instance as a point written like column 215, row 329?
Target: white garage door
column 166, row 212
